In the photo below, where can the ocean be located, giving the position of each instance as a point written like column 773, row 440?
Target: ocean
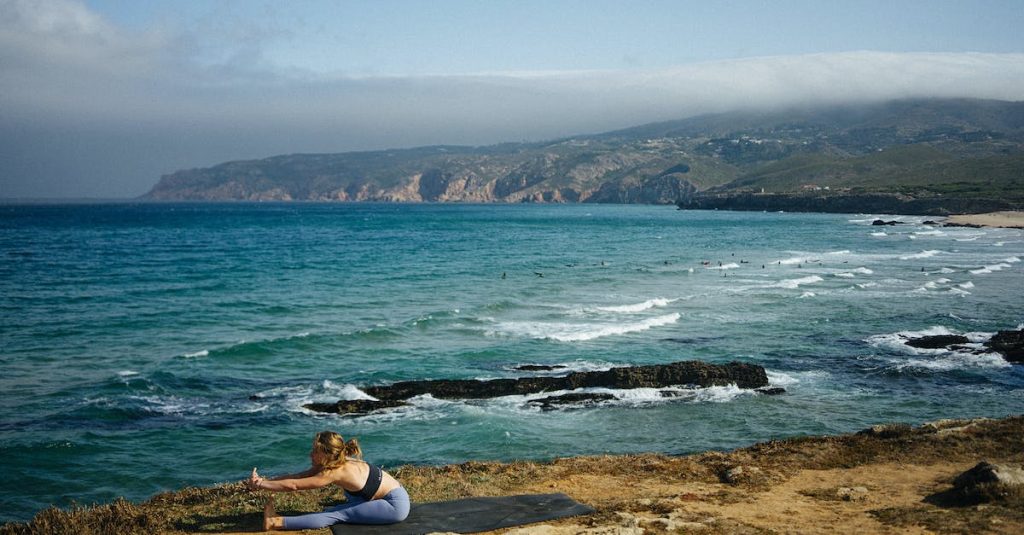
column 147, row 347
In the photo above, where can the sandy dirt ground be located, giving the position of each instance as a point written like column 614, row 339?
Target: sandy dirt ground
column 994, row 219
column 887, row 479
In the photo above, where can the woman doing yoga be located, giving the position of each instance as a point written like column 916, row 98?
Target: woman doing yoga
column 374, row 497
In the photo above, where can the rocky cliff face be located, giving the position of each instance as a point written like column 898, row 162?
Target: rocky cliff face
column 923, row 156
column 563, row 172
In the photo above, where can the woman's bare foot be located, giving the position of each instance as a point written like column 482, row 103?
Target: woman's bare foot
column 270, row 519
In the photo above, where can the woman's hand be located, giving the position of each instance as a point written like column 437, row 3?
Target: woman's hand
column 254, row 480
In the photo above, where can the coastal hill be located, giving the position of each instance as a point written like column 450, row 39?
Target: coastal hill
column 946, row 155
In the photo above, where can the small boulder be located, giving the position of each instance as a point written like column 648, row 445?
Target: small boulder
column 986, row 473
column 852, row 494
column 770, row 390
column 888, row 430
column 740, row 474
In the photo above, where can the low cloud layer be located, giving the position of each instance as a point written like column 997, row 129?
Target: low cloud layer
column 91, row 109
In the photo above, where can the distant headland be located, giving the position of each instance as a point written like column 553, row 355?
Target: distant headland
column 922, row 156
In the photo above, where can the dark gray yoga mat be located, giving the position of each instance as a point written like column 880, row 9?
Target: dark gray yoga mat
column 473, row 515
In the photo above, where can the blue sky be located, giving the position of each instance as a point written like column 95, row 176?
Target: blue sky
column 98, row 98
column 369, row 38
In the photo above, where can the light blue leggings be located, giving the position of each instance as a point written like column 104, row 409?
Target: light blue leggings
column 392, row 508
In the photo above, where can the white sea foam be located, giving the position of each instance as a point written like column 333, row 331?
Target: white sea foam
column 197, row 354
column 863, row 271
column 867, row 285
column 953, row 360
column 946, row 271
column 1012, row 260
column 794, row 283
column 991, row 269
column 781, row 379
column 294, row 398
column 879, row 234
column 127, row 373
column 806, row 294
column 958, row 291
column 578, row 332
column 898, row 341
column 788, row 379
column 846, row 275
column 967, row 285
column 921, row 255
column 930, row 233
column 731, row 265
column 638, row 307
column 843, row 252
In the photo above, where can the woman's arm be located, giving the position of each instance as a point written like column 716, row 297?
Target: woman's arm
column 316, row 481
column 311, row 471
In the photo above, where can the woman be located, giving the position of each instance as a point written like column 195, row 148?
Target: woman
column 374, row 497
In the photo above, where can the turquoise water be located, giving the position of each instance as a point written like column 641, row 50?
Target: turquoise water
column 148, row 347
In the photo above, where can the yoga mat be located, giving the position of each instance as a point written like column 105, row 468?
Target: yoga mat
column 473, row 515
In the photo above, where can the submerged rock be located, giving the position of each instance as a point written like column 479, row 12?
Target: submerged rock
column 540, row 367
column 880, row 222
column 353, row 406
column 554, row 402
column 653, row 376
column 938, row 341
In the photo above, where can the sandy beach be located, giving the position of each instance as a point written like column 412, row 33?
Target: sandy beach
column 886, row 479
column 993, row 219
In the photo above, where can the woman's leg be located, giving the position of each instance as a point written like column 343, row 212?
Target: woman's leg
column 391, row 509
column 329, row 516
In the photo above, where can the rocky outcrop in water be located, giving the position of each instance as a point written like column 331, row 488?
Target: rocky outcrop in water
column 653, row 376
column 1009, row 344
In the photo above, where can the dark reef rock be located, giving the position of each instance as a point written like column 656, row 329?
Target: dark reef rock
column 553, row 402
column 938, row 341
column 880, row 223
column 1010, row 344
column 540, row 367
column 654, row 376
column 770, row 390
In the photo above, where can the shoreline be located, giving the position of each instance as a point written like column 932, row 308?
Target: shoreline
column 1005, row 219
column 888, row 478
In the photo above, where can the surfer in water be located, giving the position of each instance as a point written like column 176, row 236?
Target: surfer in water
column 373, row 496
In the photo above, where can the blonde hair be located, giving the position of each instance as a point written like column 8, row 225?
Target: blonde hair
column 333, row 450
